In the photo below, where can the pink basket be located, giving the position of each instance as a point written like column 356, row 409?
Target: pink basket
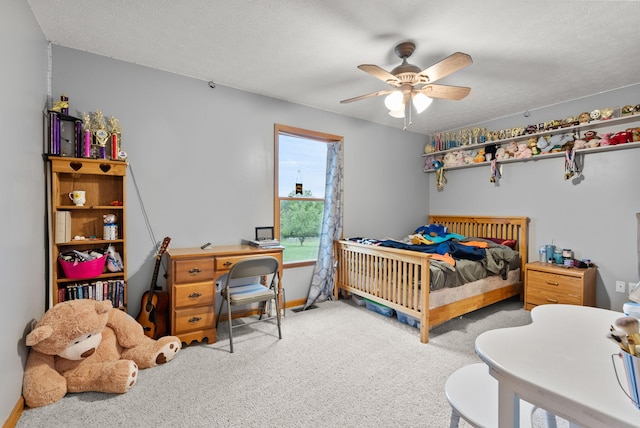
column 83, row 270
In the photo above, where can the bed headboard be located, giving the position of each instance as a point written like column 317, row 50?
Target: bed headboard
column 516, row 228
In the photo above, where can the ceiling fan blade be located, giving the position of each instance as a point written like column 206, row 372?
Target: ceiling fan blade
column 449, row 65
column 362, row 97
column 444, row 91
column 379, row 73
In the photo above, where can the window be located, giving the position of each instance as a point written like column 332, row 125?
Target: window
column 300, row 171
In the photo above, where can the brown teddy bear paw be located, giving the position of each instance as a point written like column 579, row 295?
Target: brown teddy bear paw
column 168, row 349
column 133, row 375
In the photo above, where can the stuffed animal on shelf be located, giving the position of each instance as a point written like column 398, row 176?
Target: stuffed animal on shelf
column 429, row 162
column 579, row 144
column 490, row 152
column 524, row 151
column 603, row 141
column 479, row 156
column 533, row 146
column 87, row 345
column 454, row 158
column 544, row 144
column 511, row 149
column 620, row 138
column 501, row 154
column 468, row 157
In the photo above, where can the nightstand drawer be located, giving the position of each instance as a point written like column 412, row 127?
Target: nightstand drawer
column 551, row 282
column 193, row 270
column 199, row 318
column 197, row 294
column 543, row 296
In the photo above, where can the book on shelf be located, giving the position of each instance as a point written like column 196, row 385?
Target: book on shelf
column 263, row 243
column 63, row 227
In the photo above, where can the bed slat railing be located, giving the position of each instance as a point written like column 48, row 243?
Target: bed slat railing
column 393, row 280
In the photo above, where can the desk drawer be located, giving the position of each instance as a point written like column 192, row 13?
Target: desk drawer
column 197, row 294
column 224, row 263
column 193, row 270
column 199, row 318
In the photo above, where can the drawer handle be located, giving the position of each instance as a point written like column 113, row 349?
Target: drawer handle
column 552, row 300
column 194, row 295
column 227, row 264
column 194, row 320
column 194, row 271
column 552, row 283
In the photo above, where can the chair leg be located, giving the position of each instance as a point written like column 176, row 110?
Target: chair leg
column 278, row 316
column 230, row 328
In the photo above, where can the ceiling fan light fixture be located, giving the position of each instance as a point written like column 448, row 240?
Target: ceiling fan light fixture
column 421, row 102
column 394, row 101
column 399, row 113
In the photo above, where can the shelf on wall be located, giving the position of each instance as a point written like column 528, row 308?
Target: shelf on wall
column 623, row 146
column 569, row 129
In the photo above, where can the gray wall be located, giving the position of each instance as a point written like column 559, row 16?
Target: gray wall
column 203, row 160
column 22, row 248
column 594, row 216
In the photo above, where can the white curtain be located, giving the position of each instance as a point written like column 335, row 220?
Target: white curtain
column 323, row 280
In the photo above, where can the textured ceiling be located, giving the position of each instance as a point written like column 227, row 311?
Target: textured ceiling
column 526, row 54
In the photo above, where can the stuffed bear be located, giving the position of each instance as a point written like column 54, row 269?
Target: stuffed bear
column 512, row 149
column 580, row 144
column 523, row 151
column 87, row 345
column 468, row 157
column 501, row 154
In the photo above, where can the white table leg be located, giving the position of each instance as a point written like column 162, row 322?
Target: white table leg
column 455, row 419
column 508, row 407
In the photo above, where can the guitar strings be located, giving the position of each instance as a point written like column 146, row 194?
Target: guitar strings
column 147, row 223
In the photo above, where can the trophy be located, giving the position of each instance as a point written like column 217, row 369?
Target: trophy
column 116, row 137
column 476, row 133
column 100, row 133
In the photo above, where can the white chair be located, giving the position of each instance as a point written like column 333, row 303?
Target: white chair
column 246, row 294
column 473, row 395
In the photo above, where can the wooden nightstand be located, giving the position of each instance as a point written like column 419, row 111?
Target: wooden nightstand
column 548, row 283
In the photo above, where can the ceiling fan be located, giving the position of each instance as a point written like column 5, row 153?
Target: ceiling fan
column 411, row 83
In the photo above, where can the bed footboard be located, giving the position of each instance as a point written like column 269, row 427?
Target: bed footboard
column 388, row 276
column 393, row 277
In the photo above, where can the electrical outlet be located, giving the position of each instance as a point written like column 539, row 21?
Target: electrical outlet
column 620, row 286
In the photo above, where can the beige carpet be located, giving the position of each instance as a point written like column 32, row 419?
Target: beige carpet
column 338, row 365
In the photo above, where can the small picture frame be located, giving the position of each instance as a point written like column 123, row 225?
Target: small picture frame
column 264, row 233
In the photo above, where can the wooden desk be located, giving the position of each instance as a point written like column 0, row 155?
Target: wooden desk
column 560, row 362
column 191, row 284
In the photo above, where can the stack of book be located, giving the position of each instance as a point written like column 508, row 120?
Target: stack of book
column 263, row 243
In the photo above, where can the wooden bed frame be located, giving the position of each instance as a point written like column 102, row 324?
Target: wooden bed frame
column 392, row 277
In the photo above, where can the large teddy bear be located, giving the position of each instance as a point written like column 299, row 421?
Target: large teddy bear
column 87, row 345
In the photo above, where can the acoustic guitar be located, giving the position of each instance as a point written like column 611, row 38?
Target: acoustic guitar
column 155, row 301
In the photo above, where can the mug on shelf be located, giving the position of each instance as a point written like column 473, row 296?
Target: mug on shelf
column 78, row 197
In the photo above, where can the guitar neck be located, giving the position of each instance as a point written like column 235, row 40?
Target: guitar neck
column 154, row 278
